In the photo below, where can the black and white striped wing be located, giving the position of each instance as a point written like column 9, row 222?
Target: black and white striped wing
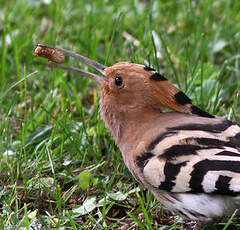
column 195, row 158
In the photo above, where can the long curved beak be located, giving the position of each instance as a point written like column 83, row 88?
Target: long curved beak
column 57, row 55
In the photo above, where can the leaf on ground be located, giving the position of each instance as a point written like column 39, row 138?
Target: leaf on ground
column 32, row 214
column 88, row 205
column 42, row 182
column 118, row 196
column 85, row 179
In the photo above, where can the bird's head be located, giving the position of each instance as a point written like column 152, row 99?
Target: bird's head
column 128, row 87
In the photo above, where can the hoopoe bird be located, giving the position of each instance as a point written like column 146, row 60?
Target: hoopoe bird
column 188, row 158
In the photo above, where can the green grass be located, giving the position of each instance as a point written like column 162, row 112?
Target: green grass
column 59, row 165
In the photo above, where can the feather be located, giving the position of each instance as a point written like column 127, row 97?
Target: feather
column 196, row 161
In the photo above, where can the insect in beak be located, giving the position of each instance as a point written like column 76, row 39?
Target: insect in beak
column 57, row 56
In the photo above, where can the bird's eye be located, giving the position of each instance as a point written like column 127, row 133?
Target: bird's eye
column 118, row 81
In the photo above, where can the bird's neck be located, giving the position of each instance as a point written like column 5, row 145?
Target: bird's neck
column 127, row 126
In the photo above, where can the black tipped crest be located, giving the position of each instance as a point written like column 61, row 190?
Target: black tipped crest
column 158, row 77
column 148, row 68
column 182, row 98
column 197, row 111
